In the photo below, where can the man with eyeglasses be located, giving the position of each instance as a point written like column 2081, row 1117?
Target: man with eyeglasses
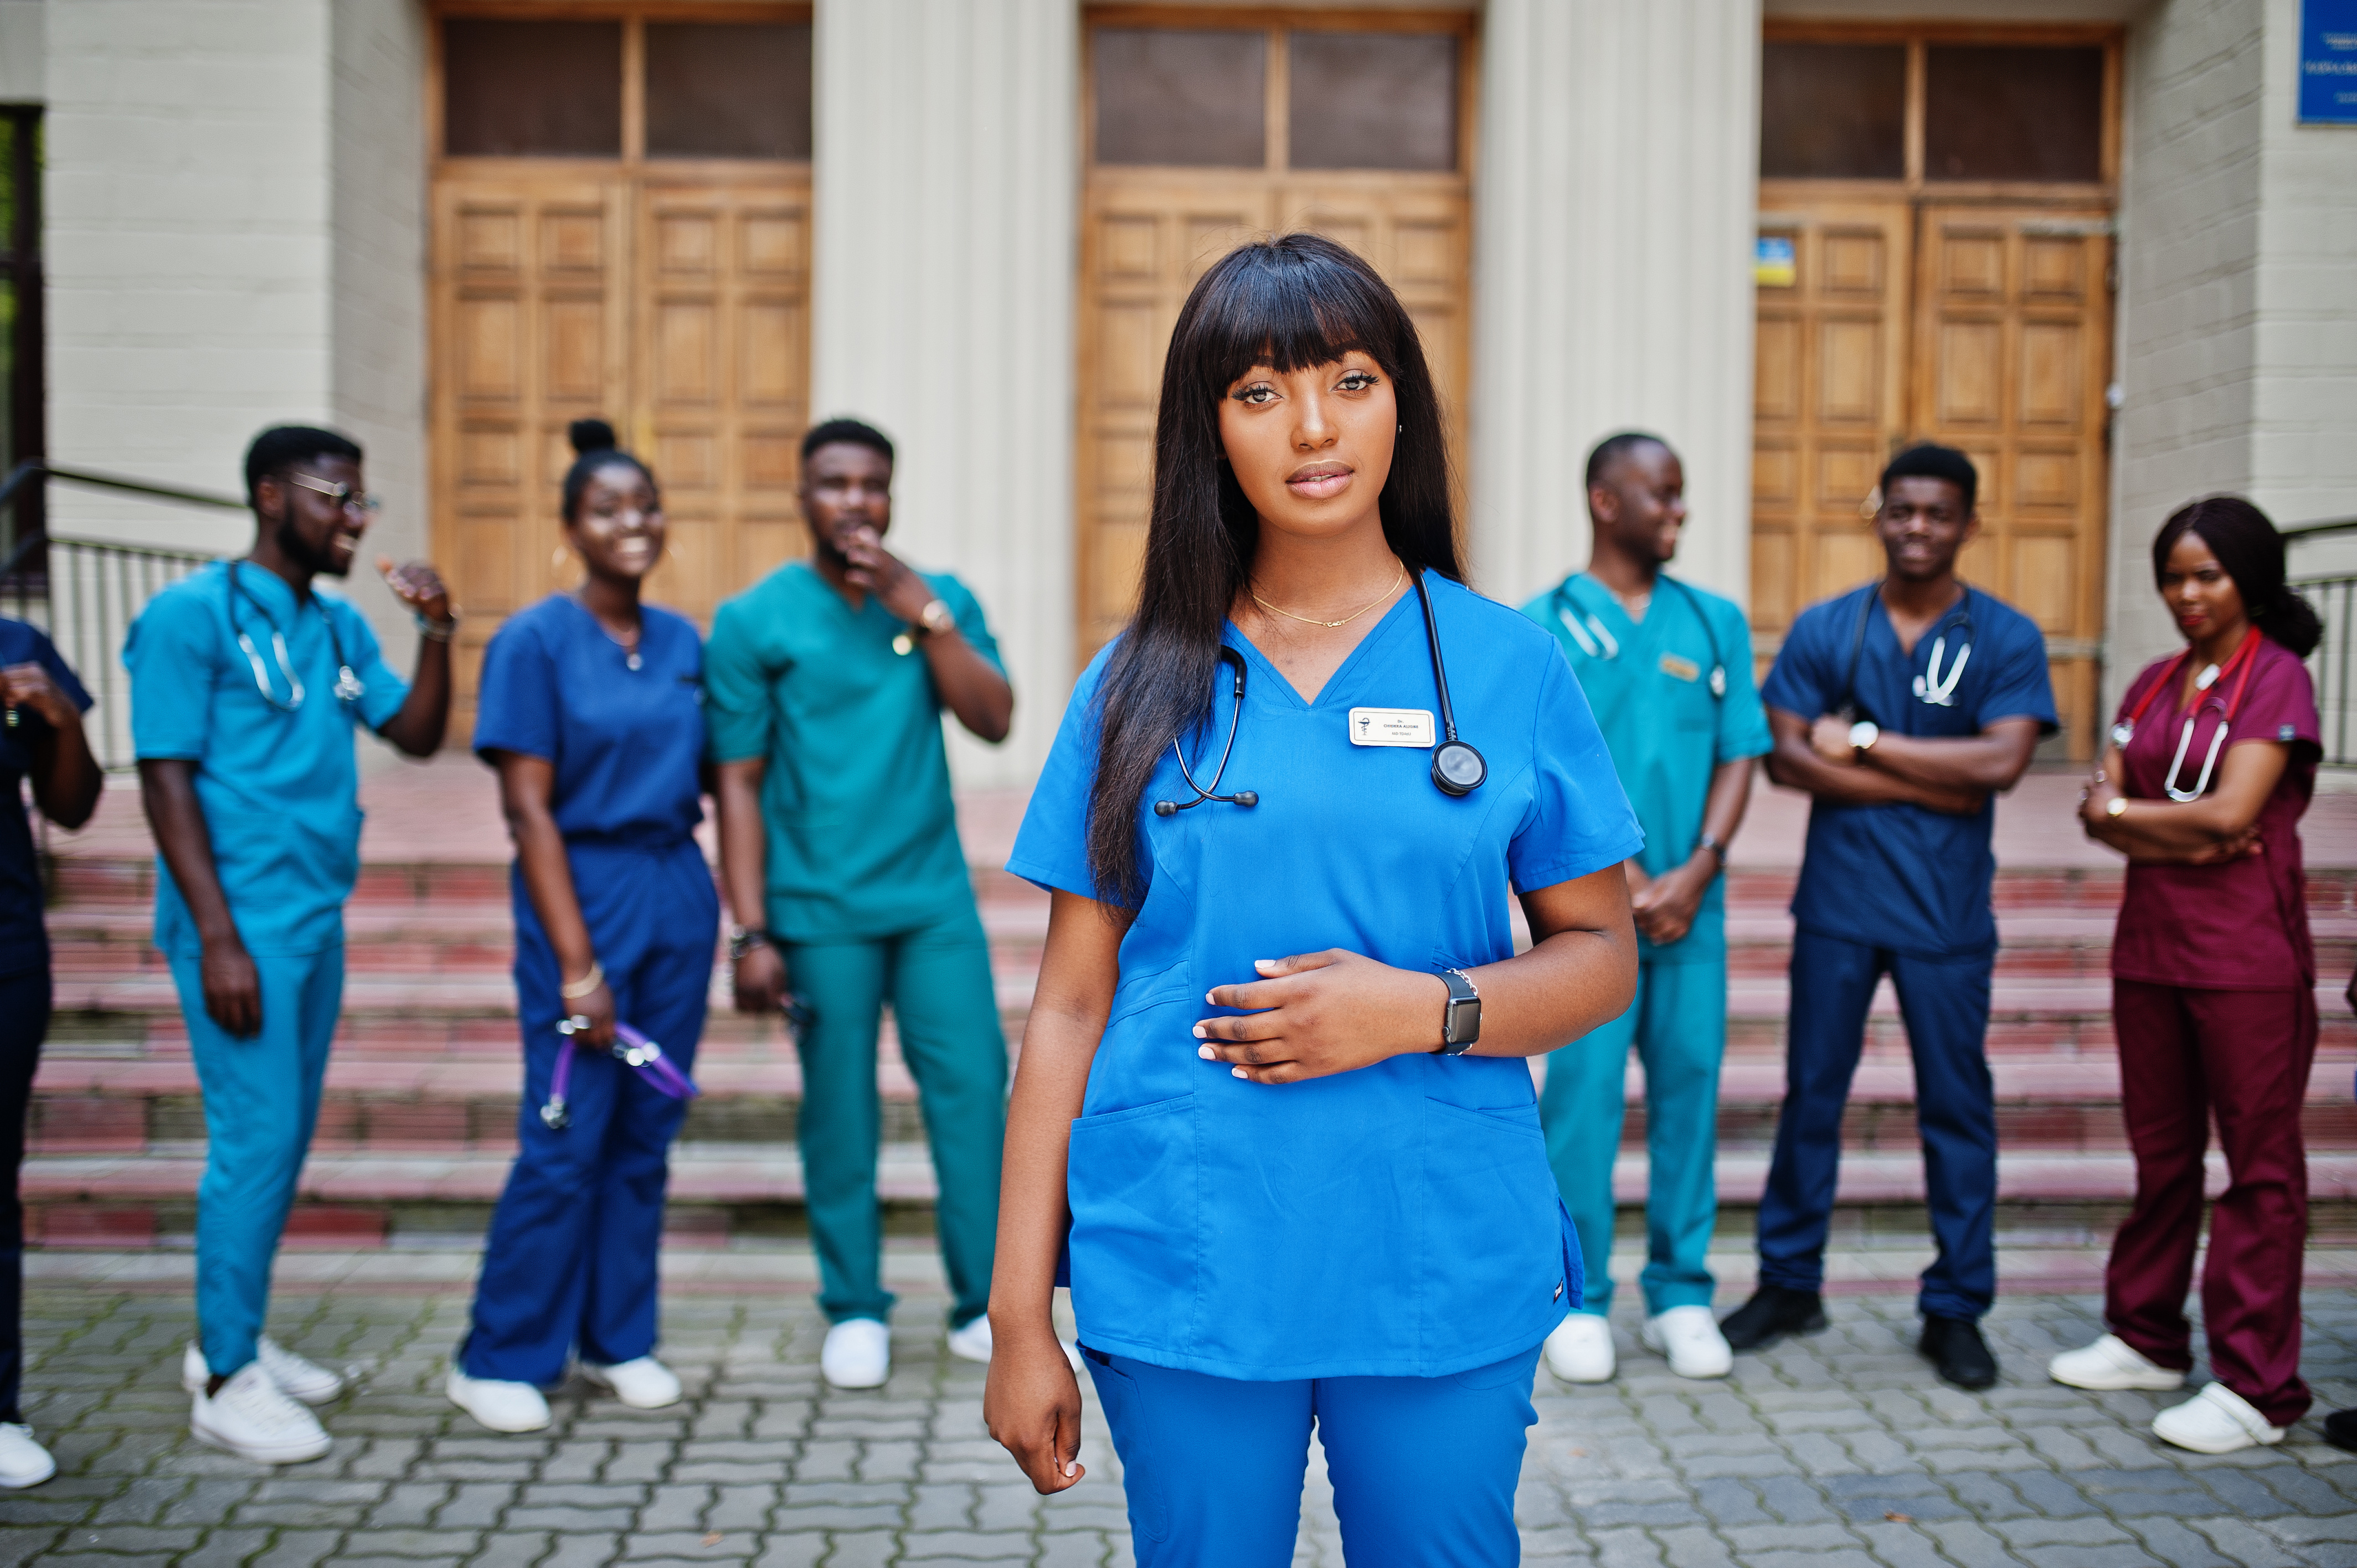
column 246, row 684
column 824, row 685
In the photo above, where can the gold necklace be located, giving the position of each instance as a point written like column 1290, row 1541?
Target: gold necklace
column 1363, row 609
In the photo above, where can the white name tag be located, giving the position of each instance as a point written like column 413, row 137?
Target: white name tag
column 1391, row 726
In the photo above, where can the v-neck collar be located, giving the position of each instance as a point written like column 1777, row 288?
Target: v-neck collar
column 1381, row 628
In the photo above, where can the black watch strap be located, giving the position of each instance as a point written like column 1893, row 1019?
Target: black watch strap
column 1461, row 1019
column 743, row 940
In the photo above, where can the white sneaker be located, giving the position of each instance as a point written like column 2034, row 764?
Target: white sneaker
column 1688, row 1337
column 502, row 1407
column 254, row 1419
column 857, row 1354
column 2215, row 1421
column 1580, row 1349
column 297, row 1378
column 23, row 1461
column 972, row 1343
column 642, row 1384
column 2111, row 1363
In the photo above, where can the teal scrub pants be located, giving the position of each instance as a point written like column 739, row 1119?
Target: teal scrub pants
column 1678, row 1026
column 946, row 1008
column 262, row 1100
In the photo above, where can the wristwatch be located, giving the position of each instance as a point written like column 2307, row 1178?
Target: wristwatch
column 1715, row 848
column 2115, row 806
column 1461, row 1019
column 743, row 940
column 1863, row 734
column 934, row 618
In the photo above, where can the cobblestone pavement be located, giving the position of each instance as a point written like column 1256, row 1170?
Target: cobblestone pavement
column 1836, row 1450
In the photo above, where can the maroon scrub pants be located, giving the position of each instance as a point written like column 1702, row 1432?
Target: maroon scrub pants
column 2243, row 1055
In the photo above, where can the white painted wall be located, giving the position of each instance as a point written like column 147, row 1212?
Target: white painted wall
column 946, row 183
column 2238, row 335
column 1614, row 206
column 24, row 51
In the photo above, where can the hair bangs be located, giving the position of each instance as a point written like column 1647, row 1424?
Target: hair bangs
column 1290, row 318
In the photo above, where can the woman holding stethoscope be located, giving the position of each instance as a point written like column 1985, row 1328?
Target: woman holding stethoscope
column 1272, row 1117
column 2209, row 771
column 591, row 708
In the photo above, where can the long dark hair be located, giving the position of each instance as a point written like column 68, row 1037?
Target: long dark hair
column 1290, row 303
column 2248, row 546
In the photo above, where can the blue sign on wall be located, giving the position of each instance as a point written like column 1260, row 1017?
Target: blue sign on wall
column 2327, row 62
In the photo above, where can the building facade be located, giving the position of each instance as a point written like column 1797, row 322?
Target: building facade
column 2089, row 241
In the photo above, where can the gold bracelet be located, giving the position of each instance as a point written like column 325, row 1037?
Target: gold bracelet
column 586, row 984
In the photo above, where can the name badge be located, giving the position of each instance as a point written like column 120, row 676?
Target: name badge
column 1391, row 726
column 1682, row 669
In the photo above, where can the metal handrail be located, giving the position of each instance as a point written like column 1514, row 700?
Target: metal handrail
column 33, row 468
column 2311, row 529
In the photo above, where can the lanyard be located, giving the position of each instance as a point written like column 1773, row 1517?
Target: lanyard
column 630, row 1047
column 2244, row 659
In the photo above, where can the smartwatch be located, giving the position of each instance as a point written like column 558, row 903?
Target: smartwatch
column 1461, row 1019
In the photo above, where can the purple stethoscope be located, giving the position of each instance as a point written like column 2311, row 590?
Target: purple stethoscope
column 633, row 1050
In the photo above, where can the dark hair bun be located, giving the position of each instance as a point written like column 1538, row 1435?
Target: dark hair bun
column 589, row 436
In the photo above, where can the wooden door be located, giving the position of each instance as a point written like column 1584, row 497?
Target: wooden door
column 531, row 331
column 1829, row 399
column 2013, row 355
column 722, row 311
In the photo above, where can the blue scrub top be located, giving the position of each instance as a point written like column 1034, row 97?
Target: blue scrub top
column 625, row 743
column 1397, row 1221
column 1904, row 876
column 1649, row 681
column 280, row 790
column 24, row 940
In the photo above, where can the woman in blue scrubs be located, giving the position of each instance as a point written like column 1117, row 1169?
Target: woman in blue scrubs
column 591, row 709
column 1273, row 1113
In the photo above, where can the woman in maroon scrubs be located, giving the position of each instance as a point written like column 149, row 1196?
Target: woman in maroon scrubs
column 2210, row 765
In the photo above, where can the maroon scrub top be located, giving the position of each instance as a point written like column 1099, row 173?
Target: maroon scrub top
column 2240, row 924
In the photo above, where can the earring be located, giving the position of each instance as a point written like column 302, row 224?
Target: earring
column 557, row 558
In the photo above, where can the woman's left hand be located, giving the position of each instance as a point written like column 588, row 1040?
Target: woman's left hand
column 1316, row 1015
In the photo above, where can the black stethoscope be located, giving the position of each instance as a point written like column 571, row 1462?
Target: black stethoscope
column 1932, row 689
column 1604, row 645
column 348, row 688
column 1456, row 768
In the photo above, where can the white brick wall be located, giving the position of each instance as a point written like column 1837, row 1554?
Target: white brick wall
column 24, row 51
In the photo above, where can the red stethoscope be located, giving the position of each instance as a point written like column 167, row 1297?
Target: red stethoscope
column 2244, row 660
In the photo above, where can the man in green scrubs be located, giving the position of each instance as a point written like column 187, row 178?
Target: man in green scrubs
column 1667, row 669
column 824, row 685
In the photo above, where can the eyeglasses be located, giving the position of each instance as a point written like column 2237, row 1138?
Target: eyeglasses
column 359, row 504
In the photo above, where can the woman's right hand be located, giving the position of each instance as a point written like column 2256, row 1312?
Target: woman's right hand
column 757, row 980
column 598, row 1008
column 1031, row 1403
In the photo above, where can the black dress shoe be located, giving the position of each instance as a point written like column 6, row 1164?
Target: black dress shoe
column 1773, row 1312
column 2341, row 1429
column 1955, row 1347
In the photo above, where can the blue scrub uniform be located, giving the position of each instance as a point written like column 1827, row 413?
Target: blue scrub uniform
column 279, row 788
column 1901, row 890
column 570, row 1260
column 1372, row 1243
column 1675, row 697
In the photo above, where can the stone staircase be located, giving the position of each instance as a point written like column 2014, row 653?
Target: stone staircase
column 418, row 1123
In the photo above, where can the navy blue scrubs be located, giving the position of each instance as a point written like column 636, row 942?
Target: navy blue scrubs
column 1902, row 890
column 1381, row 1250
column 570, row 1261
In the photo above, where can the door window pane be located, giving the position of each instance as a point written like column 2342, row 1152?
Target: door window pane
column 1167, row 96
column 728, row 90
column 2013, row 112
column 1833, row 112
column 531, row 89
column 1374, row 101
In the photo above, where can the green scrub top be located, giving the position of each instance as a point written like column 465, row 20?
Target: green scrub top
column 1650, row 684
column 862, row 831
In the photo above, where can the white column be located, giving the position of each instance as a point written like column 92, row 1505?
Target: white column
column 1614, row 208
column 946, row 185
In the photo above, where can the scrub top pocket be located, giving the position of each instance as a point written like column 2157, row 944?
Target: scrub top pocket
column 1136, row 1213
column 1477, row 1187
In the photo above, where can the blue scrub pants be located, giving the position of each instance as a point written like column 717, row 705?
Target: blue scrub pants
column 571, row 1258
column 946, row 1010
column 1945, row 1004
column 1678, row 1027
column 1424, row 1468
column 262, row 1100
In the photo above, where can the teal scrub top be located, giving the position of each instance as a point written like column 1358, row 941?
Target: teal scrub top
column 280, row 790
column 1400, row 1221
column 1650, row 684
column 863, row 836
